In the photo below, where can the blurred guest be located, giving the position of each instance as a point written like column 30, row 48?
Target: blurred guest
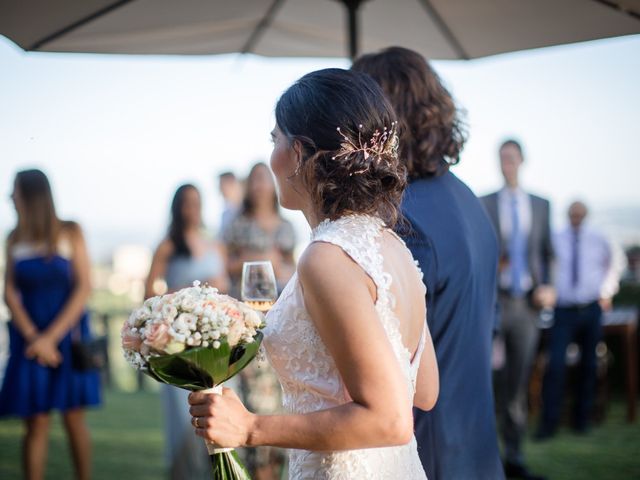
column 231, row 191
column 584, row 260
column 185, row 255
column 47, row 285
column 521, row 221
column 632, row 272
column 259, row 232
column 454, row 242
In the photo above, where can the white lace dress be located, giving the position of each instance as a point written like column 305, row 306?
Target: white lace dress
column 309, row 377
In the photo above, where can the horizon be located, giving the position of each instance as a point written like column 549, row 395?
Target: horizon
column 132, row 128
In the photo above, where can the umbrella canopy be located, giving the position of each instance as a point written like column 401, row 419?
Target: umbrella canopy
column 439, row 29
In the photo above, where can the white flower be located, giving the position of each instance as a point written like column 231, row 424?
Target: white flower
column 216, row 344
column 252, row 318
column 189, row 319
column 234, row 333
column 174, row 347
column 169, row 312
column 177, row 336
column 139, row 316
column 149, row 302
column 188, row 304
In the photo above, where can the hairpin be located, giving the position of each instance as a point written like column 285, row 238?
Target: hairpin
column 383, row 142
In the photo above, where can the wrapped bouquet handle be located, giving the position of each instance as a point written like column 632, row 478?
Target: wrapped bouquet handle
column 212, row 448
column 193, row 339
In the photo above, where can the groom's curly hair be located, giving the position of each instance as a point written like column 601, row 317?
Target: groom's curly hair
column 432, row 131
column 323, row 110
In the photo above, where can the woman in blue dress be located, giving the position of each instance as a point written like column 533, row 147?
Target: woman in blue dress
column 186, row 254
column 46, row 289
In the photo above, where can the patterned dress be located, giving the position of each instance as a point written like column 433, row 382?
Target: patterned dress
column 259, row 387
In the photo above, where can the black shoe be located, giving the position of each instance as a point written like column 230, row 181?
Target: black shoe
column 516, row 470
column 582, row 430
column 543, row 434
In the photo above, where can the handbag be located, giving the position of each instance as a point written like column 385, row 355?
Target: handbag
column 90, row 354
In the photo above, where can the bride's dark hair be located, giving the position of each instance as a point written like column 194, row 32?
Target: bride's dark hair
column 343, row 181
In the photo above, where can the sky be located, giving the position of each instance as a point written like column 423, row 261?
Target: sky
column 117, row 134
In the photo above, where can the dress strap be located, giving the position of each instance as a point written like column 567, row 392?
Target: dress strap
column 359, row 237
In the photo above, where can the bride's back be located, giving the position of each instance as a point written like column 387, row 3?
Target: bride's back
column 406, row 287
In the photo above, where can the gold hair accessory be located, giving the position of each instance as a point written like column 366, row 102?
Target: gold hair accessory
column 383, row 142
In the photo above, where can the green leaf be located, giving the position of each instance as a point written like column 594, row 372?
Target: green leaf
column 203, row 367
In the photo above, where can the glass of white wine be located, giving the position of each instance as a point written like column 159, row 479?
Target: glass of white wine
column 259, row 288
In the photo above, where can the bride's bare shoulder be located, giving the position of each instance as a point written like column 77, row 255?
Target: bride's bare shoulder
column 326, row 265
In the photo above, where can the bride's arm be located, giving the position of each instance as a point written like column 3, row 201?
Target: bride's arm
column 339, row 296
column 427, row 381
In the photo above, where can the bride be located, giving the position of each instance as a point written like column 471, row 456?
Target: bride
column 348, row 336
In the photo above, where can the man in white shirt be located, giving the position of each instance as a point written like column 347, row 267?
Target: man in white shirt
column 584, row 263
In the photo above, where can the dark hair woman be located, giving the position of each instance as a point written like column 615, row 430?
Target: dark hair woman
column 453, row 239
column 46, row 289
column 348, row 333
column 185, row 255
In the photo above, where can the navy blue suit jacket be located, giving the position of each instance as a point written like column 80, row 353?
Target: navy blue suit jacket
column 455, row 243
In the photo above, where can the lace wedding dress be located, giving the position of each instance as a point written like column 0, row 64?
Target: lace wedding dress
column 308, row 374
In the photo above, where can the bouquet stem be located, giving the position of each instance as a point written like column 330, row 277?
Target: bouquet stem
column 225, row 462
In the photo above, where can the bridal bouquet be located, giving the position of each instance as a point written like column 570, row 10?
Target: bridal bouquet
column 195, row 339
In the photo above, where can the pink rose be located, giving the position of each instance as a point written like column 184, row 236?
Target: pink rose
column 131, row 341
column 158, row 336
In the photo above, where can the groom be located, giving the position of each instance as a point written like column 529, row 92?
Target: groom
column 454, row 242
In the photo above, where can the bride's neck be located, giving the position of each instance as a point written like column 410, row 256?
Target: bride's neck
column 313, row 218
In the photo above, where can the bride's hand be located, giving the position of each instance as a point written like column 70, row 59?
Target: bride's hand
column 221, row 419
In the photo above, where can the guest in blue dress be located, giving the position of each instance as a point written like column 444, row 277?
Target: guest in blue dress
column 46, row 289
column 186, row 254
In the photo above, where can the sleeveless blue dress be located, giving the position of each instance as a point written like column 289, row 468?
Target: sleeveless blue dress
column 45, row 285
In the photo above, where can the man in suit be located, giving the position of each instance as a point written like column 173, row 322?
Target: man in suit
column 521, row 222
column 454, row 242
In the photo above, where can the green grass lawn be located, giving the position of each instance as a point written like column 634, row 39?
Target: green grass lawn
column 127, row 436
column 127, row 441
column 611, row 451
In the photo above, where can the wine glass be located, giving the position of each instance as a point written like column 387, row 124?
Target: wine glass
column 259, row 289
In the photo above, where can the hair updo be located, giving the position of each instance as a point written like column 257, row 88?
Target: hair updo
column 325, row 111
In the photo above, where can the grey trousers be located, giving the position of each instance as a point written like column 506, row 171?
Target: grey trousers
column 519, row 333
